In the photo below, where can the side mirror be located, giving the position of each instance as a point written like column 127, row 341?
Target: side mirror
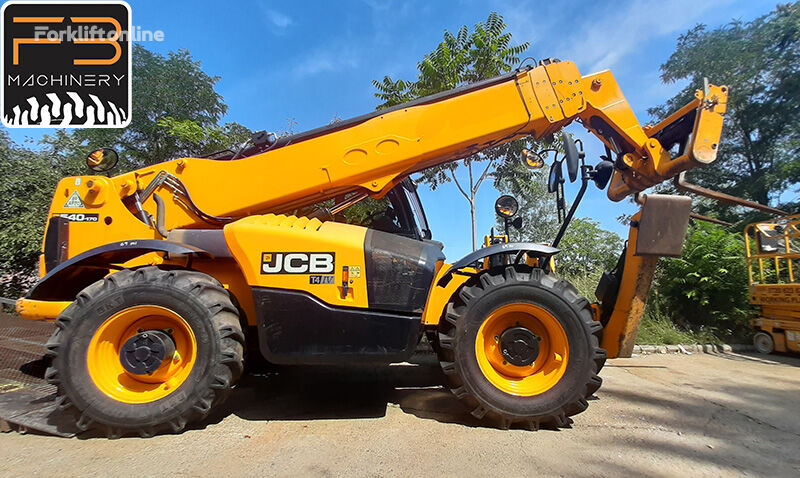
column 517, row 223
column 572, row 155
column 532, row 159
column 555, row 176
column 102, row 160
column 602, row 173
column 506, row 206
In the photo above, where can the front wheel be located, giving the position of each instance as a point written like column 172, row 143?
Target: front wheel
column 146, row 351
column 521, row 346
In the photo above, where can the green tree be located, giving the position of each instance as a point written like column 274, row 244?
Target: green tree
column 176, row 112
column 29, row 179
column 463, row 58
column 760, row 63
column 587, row 249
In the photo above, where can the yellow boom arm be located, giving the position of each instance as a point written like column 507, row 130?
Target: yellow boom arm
column 374, row 152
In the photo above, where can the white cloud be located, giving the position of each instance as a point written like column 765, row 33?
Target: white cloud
column 277, row 19
column 604, row 34
column 324, row 60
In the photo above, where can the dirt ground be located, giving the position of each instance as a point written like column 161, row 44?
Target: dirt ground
column 657, row 415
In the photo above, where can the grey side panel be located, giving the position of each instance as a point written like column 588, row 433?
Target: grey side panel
column 209, row 240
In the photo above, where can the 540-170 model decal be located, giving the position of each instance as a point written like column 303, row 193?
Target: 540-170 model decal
column 79, row 217
column 297, row 262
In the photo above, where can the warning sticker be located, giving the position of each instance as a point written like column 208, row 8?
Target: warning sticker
column 74, row 201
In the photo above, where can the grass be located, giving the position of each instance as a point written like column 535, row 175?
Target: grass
column 657, row 331
column 585, row 284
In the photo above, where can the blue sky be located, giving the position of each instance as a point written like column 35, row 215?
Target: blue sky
column 308, row 62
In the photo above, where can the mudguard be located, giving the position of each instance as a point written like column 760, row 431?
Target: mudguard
column 64, row 281
column 506, row 248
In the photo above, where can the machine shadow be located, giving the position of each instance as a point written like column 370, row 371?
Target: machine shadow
column 312, row 393
column 727, row 423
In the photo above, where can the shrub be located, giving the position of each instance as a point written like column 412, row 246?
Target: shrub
column 706, row 289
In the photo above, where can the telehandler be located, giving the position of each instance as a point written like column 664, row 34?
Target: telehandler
column 159, row 277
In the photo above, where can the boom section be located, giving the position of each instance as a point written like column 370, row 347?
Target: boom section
column 374, row 152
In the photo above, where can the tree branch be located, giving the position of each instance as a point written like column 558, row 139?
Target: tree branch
column 455, row 180
column 483, row 176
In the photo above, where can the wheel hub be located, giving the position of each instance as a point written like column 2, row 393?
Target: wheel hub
column 145, row 352
column 519, row 346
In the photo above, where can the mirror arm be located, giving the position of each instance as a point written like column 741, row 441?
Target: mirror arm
column 584, row 184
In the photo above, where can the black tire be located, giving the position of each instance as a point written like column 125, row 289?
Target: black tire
column 763, row 343
column 200, row 300
column 463, row 319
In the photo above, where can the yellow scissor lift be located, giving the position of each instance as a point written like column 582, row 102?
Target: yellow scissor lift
column 773, row 260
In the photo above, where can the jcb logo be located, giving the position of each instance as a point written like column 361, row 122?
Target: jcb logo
column 297, row 262
column 66, row 64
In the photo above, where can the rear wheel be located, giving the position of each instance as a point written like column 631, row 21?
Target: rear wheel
column 764, row 343
column 521, row 346
column 146, row 351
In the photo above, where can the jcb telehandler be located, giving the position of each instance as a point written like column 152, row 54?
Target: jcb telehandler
column 156, row 277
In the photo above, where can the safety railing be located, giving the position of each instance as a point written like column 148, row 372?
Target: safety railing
column 773, row 260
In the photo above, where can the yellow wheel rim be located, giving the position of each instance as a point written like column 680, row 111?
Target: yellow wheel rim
column 107, row 371
column 548, row 368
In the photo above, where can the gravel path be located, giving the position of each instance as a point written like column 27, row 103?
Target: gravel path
column 659, row 415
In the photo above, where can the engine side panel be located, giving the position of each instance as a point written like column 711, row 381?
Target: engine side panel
column 301, row 254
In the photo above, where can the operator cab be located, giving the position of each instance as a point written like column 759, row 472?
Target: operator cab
column 399, row 212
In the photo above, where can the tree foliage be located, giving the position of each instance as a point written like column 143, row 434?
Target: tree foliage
column 760, row 63
column 461, row 58
column 29, row 179
column 176, row 112
column 706, row 289
column 587, row 248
